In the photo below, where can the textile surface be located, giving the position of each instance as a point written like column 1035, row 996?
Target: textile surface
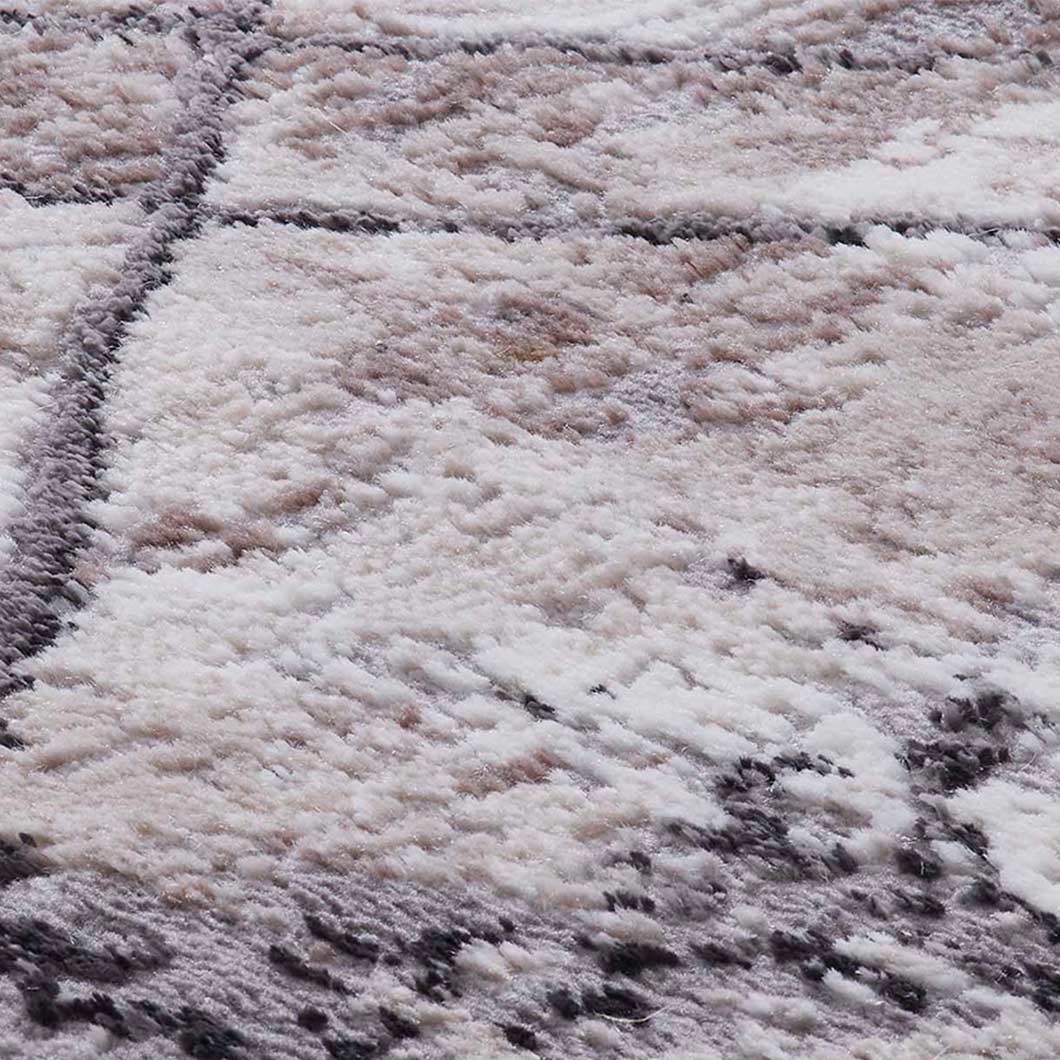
column 529, row 529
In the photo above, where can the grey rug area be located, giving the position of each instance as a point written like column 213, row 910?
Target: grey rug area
column 529, row 529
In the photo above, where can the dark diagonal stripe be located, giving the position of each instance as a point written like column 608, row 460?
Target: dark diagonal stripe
column 68, row 453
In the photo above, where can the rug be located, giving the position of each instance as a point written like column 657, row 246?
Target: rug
column 529, row 529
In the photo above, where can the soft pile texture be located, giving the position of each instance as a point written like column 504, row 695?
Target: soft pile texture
column 529, row 529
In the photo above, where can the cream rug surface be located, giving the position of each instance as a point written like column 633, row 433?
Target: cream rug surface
column 529, row 529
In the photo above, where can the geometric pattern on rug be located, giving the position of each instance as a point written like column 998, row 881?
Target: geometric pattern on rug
column 529, row 531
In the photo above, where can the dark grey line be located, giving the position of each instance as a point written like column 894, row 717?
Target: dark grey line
column 780, row 62
column 660, row 232
column 370, row 224
column 69, row 451
column 656, row 231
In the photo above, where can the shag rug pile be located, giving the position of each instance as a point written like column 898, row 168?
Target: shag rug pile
column 530, row 529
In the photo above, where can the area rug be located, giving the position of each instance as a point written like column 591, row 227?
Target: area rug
column 529, row 529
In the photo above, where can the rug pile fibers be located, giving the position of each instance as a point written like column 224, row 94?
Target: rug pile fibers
column 529, row 529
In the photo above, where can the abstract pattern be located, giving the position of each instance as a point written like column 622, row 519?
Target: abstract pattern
column 529, row 530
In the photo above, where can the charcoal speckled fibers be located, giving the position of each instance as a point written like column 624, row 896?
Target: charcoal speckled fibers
column 530, row 529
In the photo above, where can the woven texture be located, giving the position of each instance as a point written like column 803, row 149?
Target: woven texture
column 529, row 529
